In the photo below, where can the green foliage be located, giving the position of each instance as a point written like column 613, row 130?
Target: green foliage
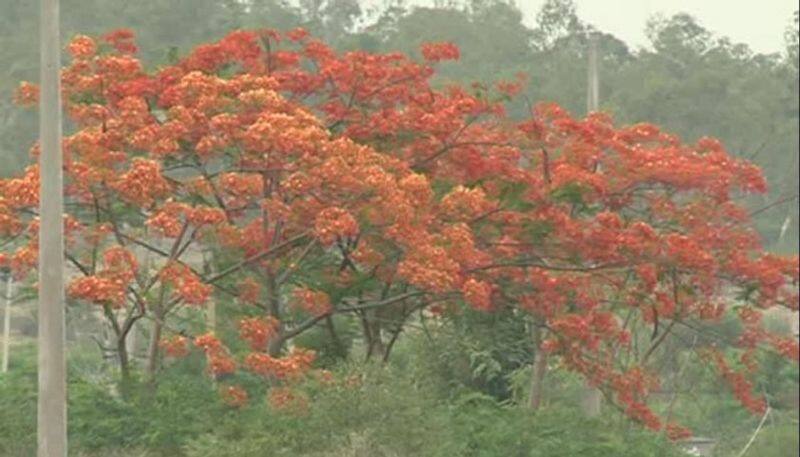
column 329, row 350
column 390, row 412
column 472, row 351
column 18, row 405
column 570, row 193
column 100, row 419
column 494, row 430
column 777, row 441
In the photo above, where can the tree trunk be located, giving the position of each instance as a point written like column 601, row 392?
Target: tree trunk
column 153, row 351
column 375, row 346
column 131, row 343
column 275, row 345
column 538, row 370
column 337, row 342
column 122, row 357
column 378, row 349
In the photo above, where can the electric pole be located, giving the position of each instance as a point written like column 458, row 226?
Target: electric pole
column 7, row 298
column 592, row 398
column 593, row 86
column 52, row 406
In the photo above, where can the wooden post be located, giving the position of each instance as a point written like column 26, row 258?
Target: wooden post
column 592, row 398
column 7, row 297
column 52, row 406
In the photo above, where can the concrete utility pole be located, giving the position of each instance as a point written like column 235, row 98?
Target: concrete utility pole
column 7, row 318
column 592, row 397
column 789, row 188
column 593, row 86
column 52, row 408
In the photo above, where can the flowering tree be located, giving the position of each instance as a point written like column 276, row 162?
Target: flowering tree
column 350, row 184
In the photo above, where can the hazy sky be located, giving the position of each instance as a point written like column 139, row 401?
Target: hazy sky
column 758, row 23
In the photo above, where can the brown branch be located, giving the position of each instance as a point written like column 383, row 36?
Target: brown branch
column 449, row 147
column 253, row 258
column 658, row 341
column 543, row 266
column 774, row 204
column 381, row 303
column 303, row 327
column 295, row 264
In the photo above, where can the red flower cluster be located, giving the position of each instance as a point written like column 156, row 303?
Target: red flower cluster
column 187, row 284
column 82, row 47
column 741, row 386
column 313, row 302
column 435, row 52
column 176, row 346
column 27, row 94
column 219, row 360
column 334, row 224
column 477, row 294
column 233, row 396
column 109, row 286
column 288, row 400
column 291, row 367
column 98, row 290
column 258, row 331
column 143, row 183
column 122, row 40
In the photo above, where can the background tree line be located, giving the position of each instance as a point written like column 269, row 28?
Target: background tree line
column 689, row 80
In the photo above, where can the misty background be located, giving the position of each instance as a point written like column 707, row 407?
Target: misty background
column 728, row 69
column 696, row 68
